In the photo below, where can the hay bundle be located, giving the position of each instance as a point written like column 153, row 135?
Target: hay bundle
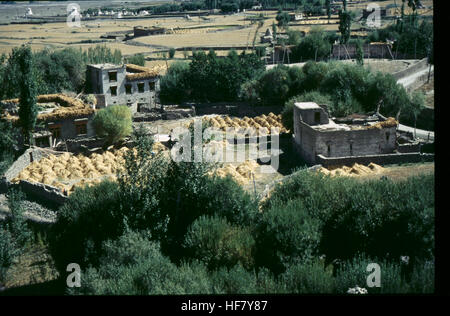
column 390, row 122
column 375, row 168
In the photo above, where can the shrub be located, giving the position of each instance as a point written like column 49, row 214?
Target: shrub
column 377, row 217
column 286, row 234
column 14, row 232
column 235, row 280
column 217, row 243
column 171, row 52
column 84, row 222
column 308, row 278
column 134, row 265
column 354, row 273
column 8, row 142
column 113, row 122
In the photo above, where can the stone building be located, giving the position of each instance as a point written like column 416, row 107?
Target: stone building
column 125, row 84
column 61, row 118
column 316, row 135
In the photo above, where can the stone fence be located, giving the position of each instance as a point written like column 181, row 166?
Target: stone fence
column 385, row 159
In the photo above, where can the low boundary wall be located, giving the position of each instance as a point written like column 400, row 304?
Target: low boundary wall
column 378, row 159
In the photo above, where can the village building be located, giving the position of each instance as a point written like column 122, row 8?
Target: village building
column 125, row 84
column 317, row 137
column 61, row 117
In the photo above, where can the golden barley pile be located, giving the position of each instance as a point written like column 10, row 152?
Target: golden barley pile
column 355, row 170
column 241, row 173
column 390, row 122
column 67, row 171
column 261, row 124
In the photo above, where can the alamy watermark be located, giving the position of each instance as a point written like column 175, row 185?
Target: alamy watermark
column 73, row 15
column 374, row 18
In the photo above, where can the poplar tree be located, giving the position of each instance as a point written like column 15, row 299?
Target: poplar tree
column 27, row 106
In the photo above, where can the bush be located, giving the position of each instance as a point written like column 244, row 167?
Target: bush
column 134, row 265
column 308, row 278
column 14, row 232
column 353, row 273
column 218, row 244
column 113, row 122
column 84, row 222
column 375, row 217
column 8, row 141
column 286, row 234
column 171, row 52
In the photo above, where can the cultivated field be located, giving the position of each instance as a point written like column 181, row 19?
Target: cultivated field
column 214, row 30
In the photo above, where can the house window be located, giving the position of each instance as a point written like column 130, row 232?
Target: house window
column 317, row 117
column 387, row 136
column 81, row 127
column 351, row 149
column 328, row 150
column 128, row 89
column 113, row 91
column 140, row 86
column 112, row 75
column 55, row 129
column 42, row 141
column 151, row 86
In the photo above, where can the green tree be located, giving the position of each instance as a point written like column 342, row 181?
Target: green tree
column 283, row 19
column 328, row 8
column 113, row 122
column 27, row 105
column 415, row 106
column 359, row 53
column 314, row 46
column 171, row 52
column 345, row 22
column 137, row 59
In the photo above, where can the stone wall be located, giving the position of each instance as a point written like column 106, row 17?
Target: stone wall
column 43, row 192
column 22, row 162
column 341, row 51
column 378, row 159
column 422, row 64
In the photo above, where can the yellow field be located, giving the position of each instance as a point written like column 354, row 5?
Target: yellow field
column 59, row 35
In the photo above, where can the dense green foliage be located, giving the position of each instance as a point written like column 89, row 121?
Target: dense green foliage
column 137, row 59
column 114, row 123
column 314, row 46
column 344, row 88
column 168, row 228
column 209, row 78
column 53, row 71
column 411, row 38
column 8, row 144
column 14, row 232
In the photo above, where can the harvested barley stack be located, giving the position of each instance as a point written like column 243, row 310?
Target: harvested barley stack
column 390, row 122
column 375, row 168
